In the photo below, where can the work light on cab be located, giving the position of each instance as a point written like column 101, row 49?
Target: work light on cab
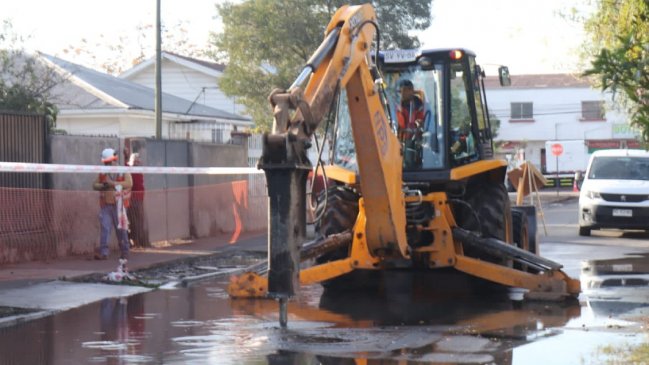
column 456, row 54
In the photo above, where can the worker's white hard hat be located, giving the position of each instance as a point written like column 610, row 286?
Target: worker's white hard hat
column 108, row 155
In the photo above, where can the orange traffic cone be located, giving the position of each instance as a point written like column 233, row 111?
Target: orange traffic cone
column 575, row 189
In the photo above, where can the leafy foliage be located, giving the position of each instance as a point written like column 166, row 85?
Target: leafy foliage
column 25, row 84
column 266, row 42
column 621, row 29
column 115, row 54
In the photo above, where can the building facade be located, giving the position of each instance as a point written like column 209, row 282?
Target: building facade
column 539, row 111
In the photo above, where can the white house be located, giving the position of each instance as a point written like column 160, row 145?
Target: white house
column 94, row 103
column 188, row 78
column 555, row 107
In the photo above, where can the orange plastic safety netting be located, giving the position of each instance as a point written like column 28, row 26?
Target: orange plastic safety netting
column 40, row 224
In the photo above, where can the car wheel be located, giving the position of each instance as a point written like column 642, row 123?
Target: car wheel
column 584, row 231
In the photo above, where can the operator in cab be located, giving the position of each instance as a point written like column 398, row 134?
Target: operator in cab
column 410, row 111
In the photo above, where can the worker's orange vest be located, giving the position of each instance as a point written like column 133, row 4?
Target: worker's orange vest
column 126, row 194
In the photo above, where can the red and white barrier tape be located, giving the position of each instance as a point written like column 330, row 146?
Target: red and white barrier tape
column 94, row 169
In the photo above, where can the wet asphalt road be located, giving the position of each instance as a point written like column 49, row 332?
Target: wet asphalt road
column 403, row 324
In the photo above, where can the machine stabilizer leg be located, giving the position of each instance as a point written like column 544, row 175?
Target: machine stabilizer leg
column 549, row 284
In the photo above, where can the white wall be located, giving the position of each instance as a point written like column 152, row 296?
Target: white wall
column 188, row 84
column 557, row 117
column 557, row 114
column 89, row 125
column 120, row 125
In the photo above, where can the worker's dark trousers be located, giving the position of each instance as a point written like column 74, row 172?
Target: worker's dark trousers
column 138, row 230
column 108, row 220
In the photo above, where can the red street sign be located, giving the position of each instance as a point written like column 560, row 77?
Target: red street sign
column 557, row 149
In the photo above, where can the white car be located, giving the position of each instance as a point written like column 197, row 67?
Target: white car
column 615, row 191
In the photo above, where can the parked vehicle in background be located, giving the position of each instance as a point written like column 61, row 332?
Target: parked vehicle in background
column 615, row 191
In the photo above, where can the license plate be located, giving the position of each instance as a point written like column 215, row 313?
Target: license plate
column 400, row 55
column 622, row 213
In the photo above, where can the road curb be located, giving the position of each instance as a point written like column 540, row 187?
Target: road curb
column 23, row 318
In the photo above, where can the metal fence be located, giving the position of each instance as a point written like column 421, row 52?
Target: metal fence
column 23, row 138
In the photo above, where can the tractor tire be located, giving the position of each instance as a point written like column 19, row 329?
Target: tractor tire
column 338, row 211
column 521, row 232
column 521, row 236
column 490, row 203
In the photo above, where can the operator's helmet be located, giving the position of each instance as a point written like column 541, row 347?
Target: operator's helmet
column 108, row 155
column 406, row 83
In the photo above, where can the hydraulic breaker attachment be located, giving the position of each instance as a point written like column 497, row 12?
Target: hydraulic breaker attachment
column 286, row 166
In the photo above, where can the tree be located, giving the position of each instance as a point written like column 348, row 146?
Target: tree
column 266, row 42
column 619, row 32
column 119, row 53
column 25, row 83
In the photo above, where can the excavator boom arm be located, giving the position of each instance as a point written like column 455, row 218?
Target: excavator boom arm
column 341, row 62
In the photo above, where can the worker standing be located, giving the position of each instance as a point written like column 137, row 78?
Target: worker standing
column 114, row 190
column 138, row 232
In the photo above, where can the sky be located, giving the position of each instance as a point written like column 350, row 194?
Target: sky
column 529, row 36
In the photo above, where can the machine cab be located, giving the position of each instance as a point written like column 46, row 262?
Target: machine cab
column 437, row 108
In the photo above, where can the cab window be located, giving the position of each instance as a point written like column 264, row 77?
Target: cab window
column 462, row 141
column 415, row 97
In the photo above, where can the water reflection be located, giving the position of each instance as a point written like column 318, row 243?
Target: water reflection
column 617, row 287
column 121, row 330
column 405, row 321
column 201, row 325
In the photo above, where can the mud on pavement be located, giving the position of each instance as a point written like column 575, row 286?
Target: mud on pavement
column 185, row 271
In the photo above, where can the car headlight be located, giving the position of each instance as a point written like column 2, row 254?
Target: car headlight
column 593, row 194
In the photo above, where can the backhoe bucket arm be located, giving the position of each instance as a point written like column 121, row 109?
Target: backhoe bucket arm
column 342, row 61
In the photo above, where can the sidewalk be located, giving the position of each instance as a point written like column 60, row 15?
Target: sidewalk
column 30, row 273
column 37, row 289
column 550, row 195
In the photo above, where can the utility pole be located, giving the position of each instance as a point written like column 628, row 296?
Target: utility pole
column 158, row 73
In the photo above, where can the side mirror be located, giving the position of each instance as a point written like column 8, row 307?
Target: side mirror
column 503, row 75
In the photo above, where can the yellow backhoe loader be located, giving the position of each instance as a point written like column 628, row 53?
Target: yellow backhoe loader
column 412, row 182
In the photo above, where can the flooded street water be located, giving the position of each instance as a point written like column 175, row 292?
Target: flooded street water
column 201, row 325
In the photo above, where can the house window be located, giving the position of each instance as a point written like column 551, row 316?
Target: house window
column 522, row 111
column 592, row 110
column 217, row 136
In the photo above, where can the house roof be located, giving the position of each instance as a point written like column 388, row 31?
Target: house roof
column 110, row 91
column 210, row 68
column 213, row 65
column 542, row 81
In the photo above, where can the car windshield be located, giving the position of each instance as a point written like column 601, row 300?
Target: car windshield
column 620, row 168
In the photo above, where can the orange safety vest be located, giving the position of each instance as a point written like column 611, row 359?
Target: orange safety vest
column 104, row 197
